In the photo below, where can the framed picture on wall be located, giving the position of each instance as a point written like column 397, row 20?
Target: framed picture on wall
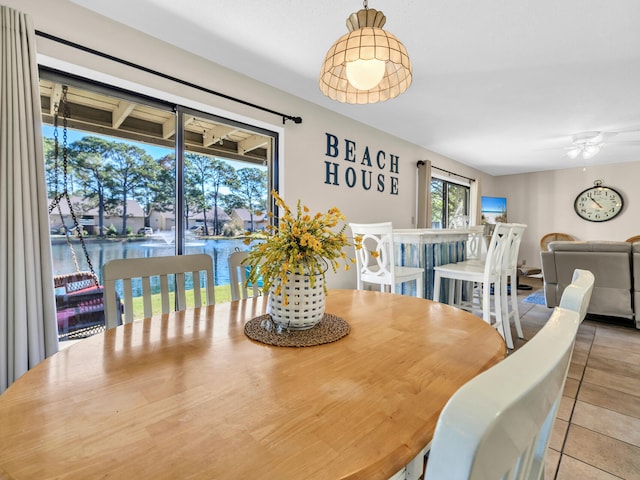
column 494, row 210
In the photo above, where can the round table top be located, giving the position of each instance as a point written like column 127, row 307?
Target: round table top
column 188, row 395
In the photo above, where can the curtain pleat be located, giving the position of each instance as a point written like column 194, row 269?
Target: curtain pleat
column 28, row 328
column 475, row 214
column 423, row 190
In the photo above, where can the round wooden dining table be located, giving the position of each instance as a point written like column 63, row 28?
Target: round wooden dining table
column 189, row 396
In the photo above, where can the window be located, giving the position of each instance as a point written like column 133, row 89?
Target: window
column 129, row 163
column 449, row 204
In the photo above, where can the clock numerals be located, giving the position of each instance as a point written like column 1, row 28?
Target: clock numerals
column 598, row 204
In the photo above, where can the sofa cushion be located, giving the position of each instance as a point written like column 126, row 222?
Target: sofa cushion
column 590, row 246
column 610, row 263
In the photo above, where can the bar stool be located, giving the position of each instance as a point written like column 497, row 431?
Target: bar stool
column 484, row 275
column 509, row 281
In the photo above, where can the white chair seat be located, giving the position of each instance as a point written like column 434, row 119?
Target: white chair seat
column 402, row 274
column 469, row 270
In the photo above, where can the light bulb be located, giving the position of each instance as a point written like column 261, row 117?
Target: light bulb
column 365, row 74
column 573, row 153
column 590, row 151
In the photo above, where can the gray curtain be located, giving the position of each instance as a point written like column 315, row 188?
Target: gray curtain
column 28, row 328
column 475, row 213
column 423, row 189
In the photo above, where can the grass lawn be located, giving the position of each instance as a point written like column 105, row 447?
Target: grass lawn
column 222, row 294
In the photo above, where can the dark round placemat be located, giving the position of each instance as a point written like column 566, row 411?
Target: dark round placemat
column 329, row 329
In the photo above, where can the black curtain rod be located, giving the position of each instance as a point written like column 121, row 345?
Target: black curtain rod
column 421, row 162
column 68, row 43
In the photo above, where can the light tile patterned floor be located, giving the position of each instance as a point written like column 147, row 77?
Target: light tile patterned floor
column 597, row 431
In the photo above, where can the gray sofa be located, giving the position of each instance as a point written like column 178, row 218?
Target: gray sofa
column 615, row 265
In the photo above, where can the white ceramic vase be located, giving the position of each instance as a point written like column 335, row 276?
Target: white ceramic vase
column 305, row 306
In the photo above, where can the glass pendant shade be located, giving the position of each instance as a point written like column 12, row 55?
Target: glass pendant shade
column 366, row 47
column 365, row 74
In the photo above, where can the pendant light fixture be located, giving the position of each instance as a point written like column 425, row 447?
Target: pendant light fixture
column 366, row 65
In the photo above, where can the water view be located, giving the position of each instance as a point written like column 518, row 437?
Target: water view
column 102, row 250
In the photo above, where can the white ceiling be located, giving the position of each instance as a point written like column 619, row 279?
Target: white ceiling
column 500, row 85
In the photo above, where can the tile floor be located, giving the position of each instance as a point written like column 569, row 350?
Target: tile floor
column 597, row 431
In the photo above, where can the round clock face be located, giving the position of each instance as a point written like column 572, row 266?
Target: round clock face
column 598, row 204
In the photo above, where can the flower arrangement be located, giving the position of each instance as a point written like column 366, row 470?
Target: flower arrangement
column 301, row 243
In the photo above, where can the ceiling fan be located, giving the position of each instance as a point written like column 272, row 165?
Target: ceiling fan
column 589, row 144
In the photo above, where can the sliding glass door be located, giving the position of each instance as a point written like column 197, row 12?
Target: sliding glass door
column 131, row 176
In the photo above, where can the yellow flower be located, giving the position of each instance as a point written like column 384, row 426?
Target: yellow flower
column 300, row 243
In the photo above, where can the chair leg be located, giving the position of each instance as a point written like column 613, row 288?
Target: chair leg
column 451, row 291
column 456, row 287
column 436, row 287
column 503, row 313
column 465, row 288
column 514, row 305
column 419, row 288
column 486, row 303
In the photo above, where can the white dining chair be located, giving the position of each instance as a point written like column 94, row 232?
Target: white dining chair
column 475, row 252
column 509, row 282
column 376, row 259
column 239, row 275
column 169, row 271
column 498, row 425
column 481, row 274
column 577, row 294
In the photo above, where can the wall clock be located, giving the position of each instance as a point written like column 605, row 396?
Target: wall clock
column 598, row 203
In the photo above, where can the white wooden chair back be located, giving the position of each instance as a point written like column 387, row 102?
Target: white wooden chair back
column 496, row 251
column 476, row 246
column 510, row 260
column 238, row 276
column 498, row 425
column 509, row 279
column 375, row 260
column 577, row 295
column 127, row 269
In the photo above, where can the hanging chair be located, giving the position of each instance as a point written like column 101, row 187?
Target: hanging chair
column 79, row 296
